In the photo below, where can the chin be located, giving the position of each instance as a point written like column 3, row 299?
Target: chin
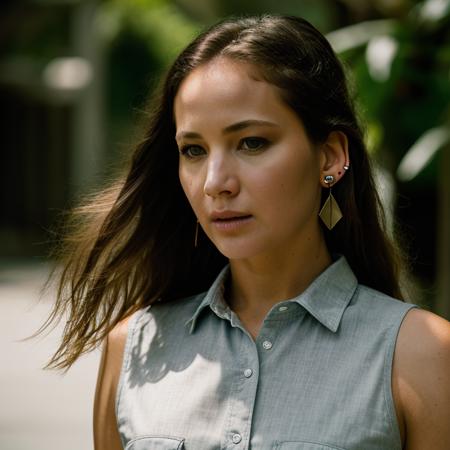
column 240, row 249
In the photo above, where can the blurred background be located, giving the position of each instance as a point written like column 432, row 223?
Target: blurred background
column 74, row 79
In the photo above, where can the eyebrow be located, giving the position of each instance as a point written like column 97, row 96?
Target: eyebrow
column 229, row 129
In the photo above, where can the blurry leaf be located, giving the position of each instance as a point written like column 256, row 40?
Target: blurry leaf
column 432, row 11
column 157, row 23
column 374, row 136
column 354, row 36
column 422, row 152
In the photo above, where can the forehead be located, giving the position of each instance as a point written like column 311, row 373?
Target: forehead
column 226, row 90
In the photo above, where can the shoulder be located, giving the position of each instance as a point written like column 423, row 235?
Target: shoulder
column 423, row 348
column 421, row 382
column 105, row 430
column 426, row 328
column 115, row 344
column 112, row 354
column 424, row 338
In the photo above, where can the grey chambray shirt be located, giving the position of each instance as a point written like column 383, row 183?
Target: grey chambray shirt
column 318, row 376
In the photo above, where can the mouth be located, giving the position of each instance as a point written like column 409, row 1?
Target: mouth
column 227, row 214
column 231, row 219
column 232, row 224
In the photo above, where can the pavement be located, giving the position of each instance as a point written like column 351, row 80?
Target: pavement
column 39, row 409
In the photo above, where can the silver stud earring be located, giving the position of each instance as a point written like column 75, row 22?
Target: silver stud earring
column 329, row 179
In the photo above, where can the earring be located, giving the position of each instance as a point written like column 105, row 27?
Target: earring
column 330, row 213
column 196, row 234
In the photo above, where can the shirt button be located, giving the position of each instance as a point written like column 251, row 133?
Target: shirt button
column 282, row 308
column 248, row 373
column 236, row 438
column 267, row 345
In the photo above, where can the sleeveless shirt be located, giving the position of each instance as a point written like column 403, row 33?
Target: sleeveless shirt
column 317, row 377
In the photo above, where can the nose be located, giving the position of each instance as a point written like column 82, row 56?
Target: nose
column 221, row 177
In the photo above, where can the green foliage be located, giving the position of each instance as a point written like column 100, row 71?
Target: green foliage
column 322, row 13
column 142, row 36
column 158, row 24
column 407, row 94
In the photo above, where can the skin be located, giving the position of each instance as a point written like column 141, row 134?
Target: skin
column 277, row 180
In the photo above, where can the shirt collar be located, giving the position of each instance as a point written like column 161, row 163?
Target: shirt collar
column 214, row 299
column 329, row 294
column 326, row 298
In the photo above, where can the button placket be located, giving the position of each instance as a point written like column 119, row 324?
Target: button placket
column 242, row 402
column 268, row 333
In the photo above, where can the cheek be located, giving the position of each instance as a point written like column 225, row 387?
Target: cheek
column 189, row 186
column 282, row 186
column 186, row 183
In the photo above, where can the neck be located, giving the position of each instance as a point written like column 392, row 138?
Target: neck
column 261, row 282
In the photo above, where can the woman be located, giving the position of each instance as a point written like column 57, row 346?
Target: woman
column 240, row 272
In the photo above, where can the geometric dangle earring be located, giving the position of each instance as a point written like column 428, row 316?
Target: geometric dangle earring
column 330, row 213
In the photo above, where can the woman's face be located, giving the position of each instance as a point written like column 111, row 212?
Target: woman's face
column 246, row 165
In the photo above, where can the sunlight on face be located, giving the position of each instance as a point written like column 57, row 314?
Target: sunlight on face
column 246, row 165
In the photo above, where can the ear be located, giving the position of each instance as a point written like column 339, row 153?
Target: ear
column 334, row 157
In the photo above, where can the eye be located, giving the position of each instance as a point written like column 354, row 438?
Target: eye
column 253, row 143
column 192, row 151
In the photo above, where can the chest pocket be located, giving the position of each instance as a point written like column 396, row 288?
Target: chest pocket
column 155, row 443
column 298, row 445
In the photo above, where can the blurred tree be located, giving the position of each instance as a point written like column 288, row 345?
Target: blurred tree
column 50, row 70
column 141, row 38
column 401, row 67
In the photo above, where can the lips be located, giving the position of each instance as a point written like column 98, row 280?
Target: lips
column 224, row 216
column 231, row 222
column 231, row 219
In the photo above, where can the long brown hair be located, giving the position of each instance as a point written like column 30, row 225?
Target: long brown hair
column 133, row 244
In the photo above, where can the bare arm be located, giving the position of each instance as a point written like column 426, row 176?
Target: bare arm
column 421, row 381
column 106, row 435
